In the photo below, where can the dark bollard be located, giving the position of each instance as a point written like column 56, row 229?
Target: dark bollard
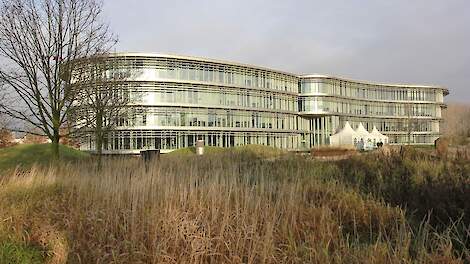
column 149, row 156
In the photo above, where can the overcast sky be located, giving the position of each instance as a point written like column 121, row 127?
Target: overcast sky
column 399, row 41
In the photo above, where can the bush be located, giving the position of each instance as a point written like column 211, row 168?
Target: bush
column 414, row 180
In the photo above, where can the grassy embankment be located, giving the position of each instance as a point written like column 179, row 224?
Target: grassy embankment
column 24, row 156
column 241, row 205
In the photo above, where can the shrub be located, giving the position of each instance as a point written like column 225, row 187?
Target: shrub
column 414, row 180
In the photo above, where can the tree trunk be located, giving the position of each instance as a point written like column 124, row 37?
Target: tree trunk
column 408, row 123
column 99, row 148
column 99, row 137
column 55, row 135
column 55, row 145
column 409, row 137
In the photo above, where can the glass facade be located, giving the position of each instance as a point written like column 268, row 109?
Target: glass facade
column 339, row 106
column 350, row 89
column 174, row 101
column 396, row 110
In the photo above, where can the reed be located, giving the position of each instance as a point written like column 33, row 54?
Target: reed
column 228, row 207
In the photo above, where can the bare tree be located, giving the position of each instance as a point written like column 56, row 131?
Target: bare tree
column 457, row 122
column 103, row 98
column 38, row 41
column 411, row 123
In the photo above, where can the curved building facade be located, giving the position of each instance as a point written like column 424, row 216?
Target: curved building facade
column 176, row 100
column 404, row 113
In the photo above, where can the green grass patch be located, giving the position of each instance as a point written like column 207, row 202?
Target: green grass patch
column 26, row 155
column 13, row 252
column 423, row 146
column 260, row 151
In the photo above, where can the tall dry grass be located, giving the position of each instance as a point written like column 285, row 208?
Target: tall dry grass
column 233, row 207
column 428, row 186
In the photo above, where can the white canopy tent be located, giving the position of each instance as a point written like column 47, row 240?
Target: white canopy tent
column 345, row 137
column 362, row 133
column 378, row 137
column 359, row 138
column 363, row 139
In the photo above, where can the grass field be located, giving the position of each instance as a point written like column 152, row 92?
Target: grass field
column 243, row 205
column 26, row 155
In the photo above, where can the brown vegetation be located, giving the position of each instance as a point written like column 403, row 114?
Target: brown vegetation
column 6, row 138
column 418, row 180
column 66, row 139
column 329, row 152
column 442, row 146
column 229, row 207
column 34, row 139
column 457, row 123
